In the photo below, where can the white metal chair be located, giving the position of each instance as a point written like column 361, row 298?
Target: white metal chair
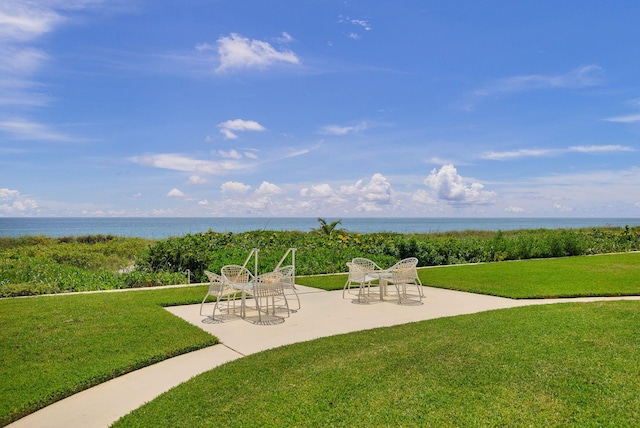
column 220, row 289
column 404, row 275
column 288, row 280
column 268, row 293
column 361, row 273
column 240, row 279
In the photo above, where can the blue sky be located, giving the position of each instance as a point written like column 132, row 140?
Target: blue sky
column 320, row 108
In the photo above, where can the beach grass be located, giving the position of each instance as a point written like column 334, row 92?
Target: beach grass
column 54, row 346
column 574, row 364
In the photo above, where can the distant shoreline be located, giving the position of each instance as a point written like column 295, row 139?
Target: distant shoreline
column 164, row 227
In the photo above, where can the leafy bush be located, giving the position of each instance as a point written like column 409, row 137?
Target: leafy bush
column 36, row 265
column 328, row 253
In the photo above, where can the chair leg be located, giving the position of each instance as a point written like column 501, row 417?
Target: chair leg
column 293, row 288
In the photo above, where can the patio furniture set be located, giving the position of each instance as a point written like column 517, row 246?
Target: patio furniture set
column 264, row 298
column 270, row 292
column 403, row 276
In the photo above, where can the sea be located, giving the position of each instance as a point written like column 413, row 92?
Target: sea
column 164, row 227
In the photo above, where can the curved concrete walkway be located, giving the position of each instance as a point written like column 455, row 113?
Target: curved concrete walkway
column 324, row 313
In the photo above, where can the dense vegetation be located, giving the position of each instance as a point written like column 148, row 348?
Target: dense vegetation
column 38, row 265
column 42, row 265
column 327, row 250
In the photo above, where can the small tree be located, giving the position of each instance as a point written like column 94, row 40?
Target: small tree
column 328, row 228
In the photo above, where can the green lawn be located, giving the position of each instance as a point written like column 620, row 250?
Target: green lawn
column 552, row 365
column 52, row 347
column 602, row 275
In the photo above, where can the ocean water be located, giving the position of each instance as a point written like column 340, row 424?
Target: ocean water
column 160, row 228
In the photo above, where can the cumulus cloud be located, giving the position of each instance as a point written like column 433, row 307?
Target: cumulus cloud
column 6, row 194
column 175, row 193
column 237, row 52
column 228, row 127
column 12, row 202
column 421, row 196
column 318, row 191
column 267, row 188
column 377, row 190
column 234, row 187
column 452, row 187
column 514, row 209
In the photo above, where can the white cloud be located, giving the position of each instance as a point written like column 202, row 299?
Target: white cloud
column 175, row 193
column 585, row 76
column 601, row 149
column 22, row 129
column 372, row 196
column 237, row 52
column 286, row 38
column 234, row 187
column 318, row 191
column 516, row 154
column 232, row 154
column 196, row 179
column 12, row 202
column 625, row 119
column 179, row 162
column 422, row 197
column 452, row 187
column 229, row 126
column 378, row 190
column 267, row 188
column 6, row 194
column 513, row 209
column 362, row 24
column 343, row 130
column 23, row 23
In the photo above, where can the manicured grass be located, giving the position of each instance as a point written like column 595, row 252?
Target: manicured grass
column 52, row 347
column 602, row 275
column 324, row 282
column 552, row 365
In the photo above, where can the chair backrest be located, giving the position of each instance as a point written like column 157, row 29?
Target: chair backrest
column 405, row 270
column 288, row 275
column 236, row 274
column 213, row 277
column 357, row 272
column 366, row 264
column 268, row 285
